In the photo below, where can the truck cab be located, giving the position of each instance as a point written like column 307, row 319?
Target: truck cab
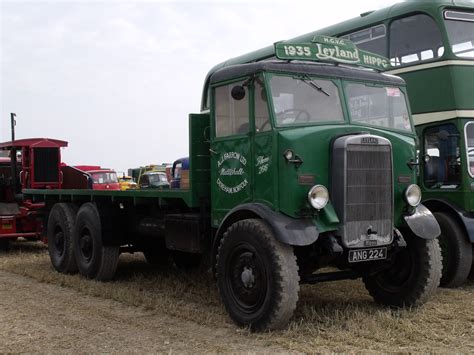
column 322, row 157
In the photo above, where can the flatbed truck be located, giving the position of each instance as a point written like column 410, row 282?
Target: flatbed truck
column 286, row 177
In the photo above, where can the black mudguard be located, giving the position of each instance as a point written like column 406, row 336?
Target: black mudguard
column 423, row 223
column 291, row 231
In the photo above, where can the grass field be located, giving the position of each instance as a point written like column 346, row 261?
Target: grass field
column 334, row 317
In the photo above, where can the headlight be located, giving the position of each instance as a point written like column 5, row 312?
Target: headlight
column 318, row 196
column 413, row 195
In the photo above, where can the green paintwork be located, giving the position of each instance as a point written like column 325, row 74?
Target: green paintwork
column 330, row 49
column 236, row 177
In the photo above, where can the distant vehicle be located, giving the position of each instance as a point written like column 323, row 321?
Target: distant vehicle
column 153, row 180
column 100, row 178
column 104, row 180
column 180, row 174
column 127, row 183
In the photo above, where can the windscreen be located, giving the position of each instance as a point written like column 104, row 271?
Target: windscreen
column 104, row 178
column 378, row 106
column 460, row 27
column 304, row 100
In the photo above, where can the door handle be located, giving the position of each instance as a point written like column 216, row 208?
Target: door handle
column 213, row 151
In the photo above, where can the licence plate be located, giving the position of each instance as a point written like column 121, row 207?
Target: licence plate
column 7, row 226
column 356, row 256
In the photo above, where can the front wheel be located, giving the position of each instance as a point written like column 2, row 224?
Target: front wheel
column 257, row 276
column 412, row 278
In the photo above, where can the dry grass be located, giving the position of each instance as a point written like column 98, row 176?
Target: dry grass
column 334, row 317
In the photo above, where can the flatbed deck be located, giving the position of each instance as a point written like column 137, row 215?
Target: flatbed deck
column 43, row 195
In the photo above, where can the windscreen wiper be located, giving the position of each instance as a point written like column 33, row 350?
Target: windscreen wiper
column 307, row 79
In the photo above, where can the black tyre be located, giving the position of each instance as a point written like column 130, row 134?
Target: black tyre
column 456, row 251
column 156, row 254
column 94, row 260
column 186, row 261
column 60, row 242
column 412, row 278
column 257, row 276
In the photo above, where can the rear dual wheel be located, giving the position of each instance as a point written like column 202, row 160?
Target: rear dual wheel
column 60, row 237
column 94, row 259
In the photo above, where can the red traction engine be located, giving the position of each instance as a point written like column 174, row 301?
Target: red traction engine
column 33, row 163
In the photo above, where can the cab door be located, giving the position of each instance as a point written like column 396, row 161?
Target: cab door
column 231, row 149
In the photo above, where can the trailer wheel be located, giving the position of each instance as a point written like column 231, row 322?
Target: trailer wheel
column 94, row 260
column 186, row 261
column 412, row 278
column 60, row 241
column 257, row 276
column 456, row 251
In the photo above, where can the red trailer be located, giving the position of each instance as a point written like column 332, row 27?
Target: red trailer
column 26, row 163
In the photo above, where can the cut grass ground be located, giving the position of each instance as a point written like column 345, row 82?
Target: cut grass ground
column 335, row 317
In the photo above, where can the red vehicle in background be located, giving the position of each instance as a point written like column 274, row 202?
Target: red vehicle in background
column 100, row 178
column 26, row 164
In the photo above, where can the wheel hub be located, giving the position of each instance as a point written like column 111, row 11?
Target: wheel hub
column 247, row 277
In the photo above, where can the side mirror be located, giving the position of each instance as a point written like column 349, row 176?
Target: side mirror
column 238, row 92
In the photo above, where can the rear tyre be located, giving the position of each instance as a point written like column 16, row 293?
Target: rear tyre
column 94, row 260
column 257, row 276
column 456, row 251
column 186, row 261
column 412, row 278
column 60, row 241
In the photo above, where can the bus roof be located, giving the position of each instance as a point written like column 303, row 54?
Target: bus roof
column 363, row 20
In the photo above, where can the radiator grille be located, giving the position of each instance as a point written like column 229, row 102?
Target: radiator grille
column 46, row 164
column 368, row 192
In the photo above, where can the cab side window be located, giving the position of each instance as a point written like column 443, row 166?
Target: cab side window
column 442, row 167
column 262, row 118
column 231, row 115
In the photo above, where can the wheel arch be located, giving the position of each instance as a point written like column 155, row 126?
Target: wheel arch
column 461, row 217
column 294, row 232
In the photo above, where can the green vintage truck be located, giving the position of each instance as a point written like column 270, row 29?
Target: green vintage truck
column 296, row 163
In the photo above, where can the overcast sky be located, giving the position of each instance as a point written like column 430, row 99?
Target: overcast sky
column 117, row 79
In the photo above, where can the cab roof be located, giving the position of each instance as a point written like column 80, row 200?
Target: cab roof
column 310, row 68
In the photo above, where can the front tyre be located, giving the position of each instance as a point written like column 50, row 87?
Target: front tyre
column 94, row 260
column 412, row 278
column 257, row 276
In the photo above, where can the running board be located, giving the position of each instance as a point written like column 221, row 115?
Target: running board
column 330, row 276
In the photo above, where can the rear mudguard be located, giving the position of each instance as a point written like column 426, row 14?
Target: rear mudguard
column 422, row 223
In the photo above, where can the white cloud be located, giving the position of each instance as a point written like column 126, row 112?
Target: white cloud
column 118, row 79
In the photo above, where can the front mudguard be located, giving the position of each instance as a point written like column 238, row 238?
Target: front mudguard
column 422, row 223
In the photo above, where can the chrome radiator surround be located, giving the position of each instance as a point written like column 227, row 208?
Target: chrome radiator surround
column 362, row 189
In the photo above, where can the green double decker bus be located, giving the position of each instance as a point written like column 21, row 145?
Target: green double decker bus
column 430, row 44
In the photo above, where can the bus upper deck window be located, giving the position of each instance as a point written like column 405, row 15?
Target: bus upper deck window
column 413, row 39
column 460, row 28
